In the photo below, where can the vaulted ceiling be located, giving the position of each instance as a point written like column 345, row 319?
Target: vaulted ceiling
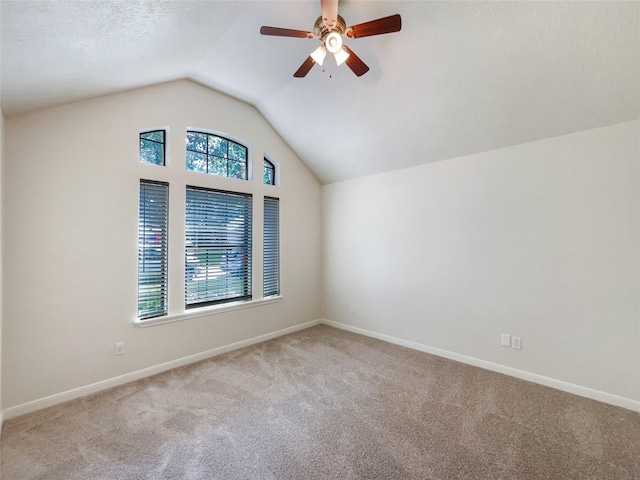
column 459, row 78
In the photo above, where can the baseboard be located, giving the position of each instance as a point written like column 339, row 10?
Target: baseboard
column 51, row 400
column 62, row 397
column 496, row 367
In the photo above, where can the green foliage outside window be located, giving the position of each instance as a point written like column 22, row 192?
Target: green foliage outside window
column 269, row 173
column 215, row 155
column 152, row 147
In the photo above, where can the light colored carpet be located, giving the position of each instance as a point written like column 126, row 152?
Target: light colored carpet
column 325, row 404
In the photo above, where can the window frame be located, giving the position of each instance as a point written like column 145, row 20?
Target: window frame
column 163, row 143
column 214, row 229
column 271, row 248
column 175, row 174
column 247, row 166
column 164, row 252
column 271, row 166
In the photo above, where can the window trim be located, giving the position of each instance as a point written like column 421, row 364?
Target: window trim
column 206, row 311
column 178, row 177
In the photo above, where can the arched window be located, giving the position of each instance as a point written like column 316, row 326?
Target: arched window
column 216, row 155
column 269, row 173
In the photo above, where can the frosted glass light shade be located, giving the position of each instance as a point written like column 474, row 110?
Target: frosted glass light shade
column 340, row 56
column 318, row 55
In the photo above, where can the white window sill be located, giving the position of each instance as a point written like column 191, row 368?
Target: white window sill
column 205, row 311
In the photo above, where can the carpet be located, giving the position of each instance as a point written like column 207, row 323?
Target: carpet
column 323, row 403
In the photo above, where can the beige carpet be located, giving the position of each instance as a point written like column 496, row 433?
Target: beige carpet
column 325, row 404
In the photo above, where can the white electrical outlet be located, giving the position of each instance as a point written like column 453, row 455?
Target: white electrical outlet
column 505, row 340
column 516, row 342
column 119, row 348
column 353, row 308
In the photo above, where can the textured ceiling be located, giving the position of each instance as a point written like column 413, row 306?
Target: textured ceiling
column 460, row 78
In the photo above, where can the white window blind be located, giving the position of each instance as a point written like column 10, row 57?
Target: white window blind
column 217, row 247
column 271, row 267
column 153, row 219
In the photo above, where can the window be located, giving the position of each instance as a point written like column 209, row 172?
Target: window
column 152, row 249
column 152, row 147
column 217, row 226
column 269, row 173
column 217, row 247
column 271, row 265
column 208, row 153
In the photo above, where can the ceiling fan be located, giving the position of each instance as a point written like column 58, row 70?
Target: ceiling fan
column 330, row 28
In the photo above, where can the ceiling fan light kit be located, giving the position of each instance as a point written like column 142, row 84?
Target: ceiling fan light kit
column 333, row 42
column 330, row 28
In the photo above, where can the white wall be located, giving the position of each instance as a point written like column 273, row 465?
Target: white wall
column 1, row 253
column 71, row 205
column 538, row 240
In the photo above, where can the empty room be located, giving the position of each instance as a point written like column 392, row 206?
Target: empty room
column 319, row 239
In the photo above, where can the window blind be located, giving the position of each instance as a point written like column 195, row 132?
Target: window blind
column 271, row 267
column 217, row 247
column 153, row 219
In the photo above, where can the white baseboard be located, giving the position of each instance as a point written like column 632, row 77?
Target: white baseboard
column 496, row 367
column 51, row 400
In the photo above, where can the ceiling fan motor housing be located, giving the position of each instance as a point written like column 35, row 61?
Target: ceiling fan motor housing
column 322, row 30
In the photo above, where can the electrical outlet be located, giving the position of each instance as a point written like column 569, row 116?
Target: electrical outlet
column 505, row 340
column 119, row 350
column 353, row 308
column 516, row 342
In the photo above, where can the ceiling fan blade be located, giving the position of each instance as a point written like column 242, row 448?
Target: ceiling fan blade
column 329, row 11
column 389, row 24
column 354, row 63
column 285, row 32
column 304, row 68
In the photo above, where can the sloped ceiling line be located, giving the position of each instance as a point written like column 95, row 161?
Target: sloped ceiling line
column 460, row 78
